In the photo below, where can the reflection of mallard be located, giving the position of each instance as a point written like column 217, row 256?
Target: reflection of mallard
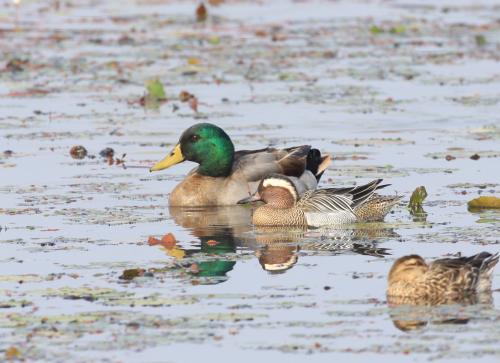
column 445, row 281
column 206, row 221
column 221, row 246
column 216, row 228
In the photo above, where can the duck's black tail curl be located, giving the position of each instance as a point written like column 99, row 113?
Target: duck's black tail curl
column 317, row 163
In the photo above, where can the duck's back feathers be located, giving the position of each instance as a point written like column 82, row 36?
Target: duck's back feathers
column 302, row 164
column 294, row 161
column 473, row 273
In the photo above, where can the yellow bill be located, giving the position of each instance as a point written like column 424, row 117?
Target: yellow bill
column 175, row 157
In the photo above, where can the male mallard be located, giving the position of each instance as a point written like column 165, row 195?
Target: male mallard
column 446, row 281
column 315, row 208
column 224, row 176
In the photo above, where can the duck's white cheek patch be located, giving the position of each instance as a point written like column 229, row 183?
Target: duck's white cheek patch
column 282, row 183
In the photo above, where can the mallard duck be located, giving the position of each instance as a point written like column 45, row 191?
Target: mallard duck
column 451, row 280
column 224, row 176
column 315, row 208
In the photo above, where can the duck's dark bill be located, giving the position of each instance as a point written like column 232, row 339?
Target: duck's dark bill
column 250, row 199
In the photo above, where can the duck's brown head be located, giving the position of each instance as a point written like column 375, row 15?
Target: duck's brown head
column 407, row 268
column 276, row 190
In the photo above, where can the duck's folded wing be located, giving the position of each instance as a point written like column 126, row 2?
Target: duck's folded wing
column 256, row 164
column 466, row 271
column 338, row 199
column 325, row 200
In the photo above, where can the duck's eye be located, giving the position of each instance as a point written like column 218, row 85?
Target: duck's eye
column 195, row 138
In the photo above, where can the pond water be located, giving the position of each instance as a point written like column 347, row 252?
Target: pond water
column 407, row 91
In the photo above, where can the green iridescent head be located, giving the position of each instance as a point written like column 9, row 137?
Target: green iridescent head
column 205, row 144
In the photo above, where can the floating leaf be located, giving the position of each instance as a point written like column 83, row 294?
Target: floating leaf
column 153, row 241
column 184, row 96
column 480, row 40
column 168, row 241
column 398, row 29
column 78, row 152
column 415, row 204
column 214, row 40
column 107, row 152
column 193, row 104
column 132, row 273
column 155, row 90
column 193, row 61
column 201, row 13
column 484, row 202
column 375, row 29
column 12, row 353
column 417, row 197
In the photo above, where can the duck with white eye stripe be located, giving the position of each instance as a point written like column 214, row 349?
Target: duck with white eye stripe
column 320, row 207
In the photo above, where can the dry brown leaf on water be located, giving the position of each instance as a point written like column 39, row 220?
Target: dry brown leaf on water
column 28, row 93
column 193, row 104
column 120, row 161
column 201, row 13
column 168, row 241
column 78, row 152
column 12, row 353
column 185, row 96
column 152, row 241
column 215, row 2
column 132, row 273
column 193, row 61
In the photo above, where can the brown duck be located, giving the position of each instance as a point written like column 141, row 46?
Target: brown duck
column 412, row 281
column 285, row 206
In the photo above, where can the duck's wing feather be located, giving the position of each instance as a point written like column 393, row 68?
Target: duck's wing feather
column 256, row 164
column 337, row 199
column 466, row 272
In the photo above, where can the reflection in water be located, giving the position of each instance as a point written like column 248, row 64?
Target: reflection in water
column 418, row 214
column 409, row 318
column 221, row 230
column 217, row 229
column 415, row 287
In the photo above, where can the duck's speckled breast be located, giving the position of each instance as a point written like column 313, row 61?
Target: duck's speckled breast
column 269, row 216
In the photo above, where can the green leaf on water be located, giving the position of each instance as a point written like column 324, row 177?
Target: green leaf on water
column 480, row 40
column 376, row 30
column 214, row 40
column 417, row 197
column 155, row 89
column 398, row 29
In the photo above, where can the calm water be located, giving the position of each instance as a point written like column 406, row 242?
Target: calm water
column 389, row 89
